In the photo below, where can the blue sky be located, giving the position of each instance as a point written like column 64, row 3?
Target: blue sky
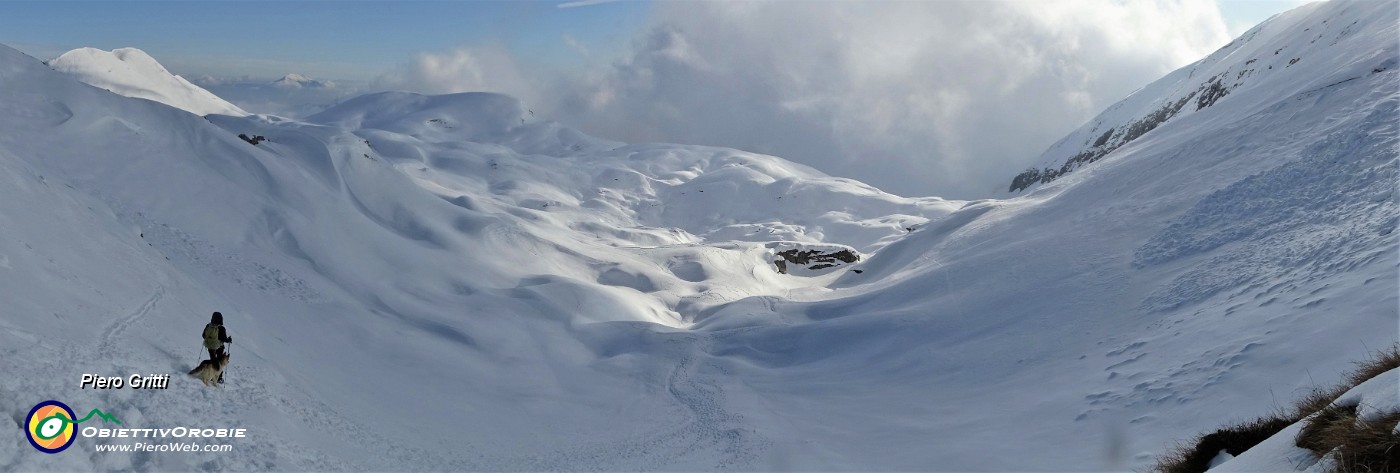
column 343, row 40
column 1240, row 15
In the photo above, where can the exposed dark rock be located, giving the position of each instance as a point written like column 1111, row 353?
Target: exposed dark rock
column 814, row 259
column 1104, row 139
column 1211, row 92
column 1107, row 143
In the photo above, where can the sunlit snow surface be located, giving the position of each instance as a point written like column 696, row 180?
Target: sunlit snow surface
column 442, row 283
column 133, row 73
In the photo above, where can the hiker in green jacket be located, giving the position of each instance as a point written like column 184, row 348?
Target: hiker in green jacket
column 215, row 336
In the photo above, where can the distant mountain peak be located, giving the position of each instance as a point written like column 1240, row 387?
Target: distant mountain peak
column 298, row 81
column 133, row 73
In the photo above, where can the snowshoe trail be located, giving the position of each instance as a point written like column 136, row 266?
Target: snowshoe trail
column 112, row 335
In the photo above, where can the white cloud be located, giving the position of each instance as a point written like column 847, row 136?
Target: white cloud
column 583, row 3
column 948, row 98
column 918, row 98
column 481, row 69
column 574, row 44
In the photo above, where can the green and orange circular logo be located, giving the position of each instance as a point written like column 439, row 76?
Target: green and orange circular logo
column 50, row 426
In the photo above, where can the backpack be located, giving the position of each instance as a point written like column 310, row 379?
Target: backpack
column 211, row 337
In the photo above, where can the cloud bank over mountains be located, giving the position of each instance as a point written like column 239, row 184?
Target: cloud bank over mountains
column 917, row 98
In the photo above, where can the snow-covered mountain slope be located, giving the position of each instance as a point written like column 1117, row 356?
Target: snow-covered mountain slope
column 133, row 73
column 1297, row 54
column 1224, row 255
column 424, row 251
column 438, row 283
column 481, row 144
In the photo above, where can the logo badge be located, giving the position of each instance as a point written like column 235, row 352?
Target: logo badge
column 50, row 426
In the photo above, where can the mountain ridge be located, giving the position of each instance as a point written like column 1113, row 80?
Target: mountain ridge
column 1255, row 68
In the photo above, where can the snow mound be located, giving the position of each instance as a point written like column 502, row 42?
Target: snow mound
column 133, row 73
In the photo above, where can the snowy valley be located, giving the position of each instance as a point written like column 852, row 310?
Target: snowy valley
column 444, row 282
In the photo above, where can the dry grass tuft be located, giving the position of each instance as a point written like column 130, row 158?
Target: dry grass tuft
column 1354, row 445
column 1196, row 456
column 1372, row 446
column 1328, row 429
column 1380, row 362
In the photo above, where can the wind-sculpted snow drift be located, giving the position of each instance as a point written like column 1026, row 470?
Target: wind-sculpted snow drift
column 443, row 283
